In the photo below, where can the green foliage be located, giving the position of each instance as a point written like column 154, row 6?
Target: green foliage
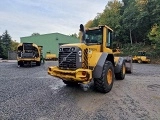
column 14, row 45
column 111, row 15
column 96, row 20
column 89, row 24
column 74, row 35
column 6, row 44
column 33, row 34
column 154, row 36
column 1, row 48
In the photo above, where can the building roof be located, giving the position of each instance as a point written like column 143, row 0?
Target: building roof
column 53, row 36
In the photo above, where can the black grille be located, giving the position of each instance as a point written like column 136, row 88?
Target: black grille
column 67, row 61
column 27, row 55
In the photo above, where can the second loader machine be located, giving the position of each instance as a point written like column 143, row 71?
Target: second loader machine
column 90, row 60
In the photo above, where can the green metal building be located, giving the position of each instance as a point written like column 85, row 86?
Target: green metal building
column 50, row 42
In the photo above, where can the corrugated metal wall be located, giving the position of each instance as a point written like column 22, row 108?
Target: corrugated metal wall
column 50, row 42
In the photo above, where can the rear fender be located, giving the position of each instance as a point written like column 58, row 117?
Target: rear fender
column 119, row 63
column 99, row 66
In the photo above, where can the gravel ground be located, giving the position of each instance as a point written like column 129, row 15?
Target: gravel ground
column 29, row 93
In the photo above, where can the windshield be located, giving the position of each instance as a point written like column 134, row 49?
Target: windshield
column 94, row 36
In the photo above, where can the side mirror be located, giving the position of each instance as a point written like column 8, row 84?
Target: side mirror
column 82, row 36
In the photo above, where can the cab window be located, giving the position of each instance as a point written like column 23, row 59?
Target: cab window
column 109, row 39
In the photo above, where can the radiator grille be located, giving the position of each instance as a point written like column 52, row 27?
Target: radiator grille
column 66, row 60
column 27, row 55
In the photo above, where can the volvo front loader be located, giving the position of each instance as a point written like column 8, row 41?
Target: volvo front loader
column 91, row 59
column 28, row 53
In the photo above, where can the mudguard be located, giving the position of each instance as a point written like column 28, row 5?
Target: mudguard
column 99, row 67
column 119, row 64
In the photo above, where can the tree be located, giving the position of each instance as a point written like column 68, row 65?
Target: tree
column 74, row 35
column 33, row 34
column 6, row 43
column 88, row 24
column 96, row 20
column 154, row 34
column 14, row 45
column 1, row 48
column 129, row 20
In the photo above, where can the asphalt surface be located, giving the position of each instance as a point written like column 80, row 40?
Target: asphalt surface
column 29, row 93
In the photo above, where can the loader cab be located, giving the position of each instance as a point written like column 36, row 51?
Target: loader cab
column 100, row 37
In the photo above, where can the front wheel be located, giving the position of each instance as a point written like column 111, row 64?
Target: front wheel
column 105, row 83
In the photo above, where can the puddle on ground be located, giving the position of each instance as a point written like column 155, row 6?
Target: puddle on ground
column 57, row 86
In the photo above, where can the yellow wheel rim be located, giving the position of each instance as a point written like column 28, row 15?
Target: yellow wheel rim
column 124, row 70
column 109, row 76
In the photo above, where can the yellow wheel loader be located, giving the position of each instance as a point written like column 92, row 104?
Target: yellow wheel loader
column 28, row 53
column 91, row 59
column 141, row 57
column 50, row 56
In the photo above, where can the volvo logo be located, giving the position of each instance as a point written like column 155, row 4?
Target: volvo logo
column 65, row 58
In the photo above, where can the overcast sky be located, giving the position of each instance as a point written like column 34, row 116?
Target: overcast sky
column 23, row 17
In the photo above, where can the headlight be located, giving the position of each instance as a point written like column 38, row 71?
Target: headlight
column 60, row 49
column 72, row 49
column 80, row 53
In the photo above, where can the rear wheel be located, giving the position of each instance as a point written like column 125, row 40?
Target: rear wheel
column 20, row 63
column 121, row 74
column 38, row 63
column 105, row 83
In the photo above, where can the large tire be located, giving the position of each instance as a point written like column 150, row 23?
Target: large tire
column 38, row 63
column 121, row 74
column 20, row 63
column 70, row 83
column 105, row 83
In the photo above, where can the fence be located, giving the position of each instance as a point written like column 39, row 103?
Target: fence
column 12, row 55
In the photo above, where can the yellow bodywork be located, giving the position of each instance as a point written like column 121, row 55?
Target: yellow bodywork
column 76, row 75
column 70, row 75
column 28, row 59
column 51, row 56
